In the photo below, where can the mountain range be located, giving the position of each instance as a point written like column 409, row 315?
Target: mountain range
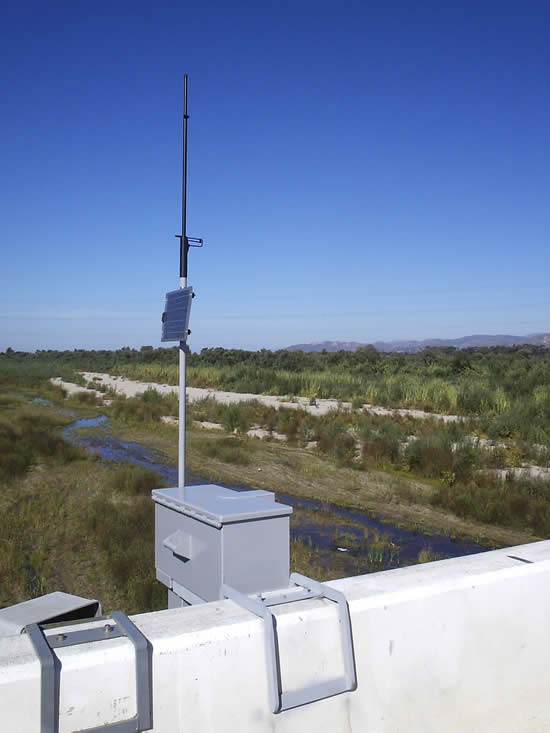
column 412, row 346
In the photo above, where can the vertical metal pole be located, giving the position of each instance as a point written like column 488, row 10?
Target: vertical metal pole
column 184, row 251
column 181, row 420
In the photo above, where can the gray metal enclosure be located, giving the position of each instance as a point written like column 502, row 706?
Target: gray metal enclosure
column 218, row 536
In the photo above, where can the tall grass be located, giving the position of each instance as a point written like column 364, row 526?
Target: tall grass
column 503, row 411
column 67, row 521
column 508, row 389
column 229, row 450
column 28, row 438
column 128, row 478
column 518, row 503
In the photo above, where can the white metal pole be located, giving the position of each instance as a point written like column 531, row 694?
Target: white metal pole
column 182, row 405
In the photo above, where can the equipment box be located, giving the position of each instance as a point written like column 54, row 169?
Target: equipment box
column 218, row 536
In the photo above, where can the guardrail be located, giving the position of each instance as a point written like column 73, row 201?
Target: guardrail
column 456, row 645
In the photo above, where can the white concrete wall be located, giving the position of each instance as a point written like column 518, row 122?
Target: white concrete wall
column 457, row 645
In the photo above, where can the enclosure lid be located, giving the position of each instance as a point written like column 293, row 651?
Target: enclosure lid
column 217, row 505
column 46, row 609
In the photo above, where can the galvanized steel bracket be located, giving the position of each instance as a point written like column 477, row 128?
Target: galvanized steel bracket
column 49, row 671
column 260, row 606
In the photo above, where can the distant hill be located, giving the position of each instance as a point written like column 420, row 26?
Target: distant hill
column 538, row 339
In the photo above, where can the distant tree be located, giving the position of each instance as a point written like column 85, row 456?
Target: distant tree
column 461, row 361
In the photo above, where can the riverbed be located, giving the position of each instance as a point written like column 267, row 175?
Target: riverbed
column 344, row 540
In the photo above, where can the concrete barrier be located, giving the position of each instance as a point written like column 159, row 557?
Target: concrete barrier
column 456, row 645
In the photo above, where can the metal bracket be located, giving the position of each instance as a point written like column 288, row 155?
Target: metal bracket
column 260, row 606
column 50, row 666
column 190, row 241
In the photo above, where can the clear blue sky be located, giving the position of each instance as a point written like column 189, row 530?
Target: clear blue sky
column 359, row 171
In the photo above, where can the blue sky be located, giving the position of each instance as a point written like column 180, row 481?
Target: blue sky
column 359, row 171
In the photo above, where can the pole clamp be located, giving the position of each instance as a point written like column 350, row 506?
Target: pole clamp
column 260, row 606
column 116, row 625
column 190, row 241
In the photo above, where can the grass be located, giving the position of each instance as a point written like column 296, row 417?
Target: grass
column 507, row 389
column 133, row 480
column 229, row 450
column 78, row 528
column 435, row 452
column 518, row 503
column 329, row 564
column 28, row 437
column 69, row 522
column 428, row 555
column 396, row 495
column 482, row 389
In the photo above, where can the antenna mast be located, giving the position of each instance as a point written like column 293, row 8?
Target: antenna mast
column 185, row 243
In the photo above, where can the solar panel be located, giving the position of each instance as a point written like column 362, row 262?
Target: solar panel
column 175, row 319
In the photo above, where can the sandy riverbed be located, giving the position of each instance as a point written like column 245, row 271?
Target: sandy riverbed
column 131, row 388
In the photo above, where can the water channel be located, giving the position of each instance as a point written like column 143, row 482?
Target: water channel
column 345, row 541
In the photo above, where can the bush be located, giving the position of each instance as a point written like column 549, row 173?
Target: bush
column 83, row 398
column 430, row 455
column 228, row 450
column 236, row 418
column 137, row 410
column 30, row 439
column 132, row 479
column 519, row 503
column 380, row 444
column 334, row 438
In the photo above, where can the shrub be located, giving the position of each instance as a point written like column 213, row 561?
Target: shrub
column 30, row 439
column 236, row 418
column 228, row 450
column 83, row 398
column 335, row 439
column 382, row 443
column 137, row 410
column 132, row 479
column 430, row 455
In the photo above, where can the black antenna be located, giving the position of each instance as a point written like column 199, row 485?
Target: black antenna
column 182, row 307
column 185, row 241
column 184, row 244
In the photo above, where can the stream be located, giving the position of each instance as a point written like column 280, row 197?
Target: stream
column 341, row 540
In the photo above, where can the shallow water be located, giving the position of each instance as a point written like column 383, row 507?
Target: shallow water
column 41, row 401
column 325, row 526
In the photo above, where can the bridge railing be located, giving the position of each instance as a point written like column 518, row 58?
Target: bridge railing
column 456, row 645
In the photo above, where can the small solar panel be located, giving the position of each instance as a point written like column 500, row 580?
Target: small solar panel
column 175, row 319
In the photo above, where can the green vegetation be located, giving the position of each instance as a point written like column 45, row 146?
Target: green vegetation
column 27, row 438
column 71, row 522
column 486, row 381
column 506, row 388
column 130, row 479
column 229, row 450
column 67, row 521
column 428, row 555
column 517, row 503
column 444, row 453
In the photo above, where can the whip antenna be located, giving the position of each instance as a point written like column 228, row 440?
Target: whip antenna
column 175, row 319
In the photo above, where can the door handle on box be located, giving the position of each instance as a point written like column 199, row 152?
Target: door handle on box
column 179, row 543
